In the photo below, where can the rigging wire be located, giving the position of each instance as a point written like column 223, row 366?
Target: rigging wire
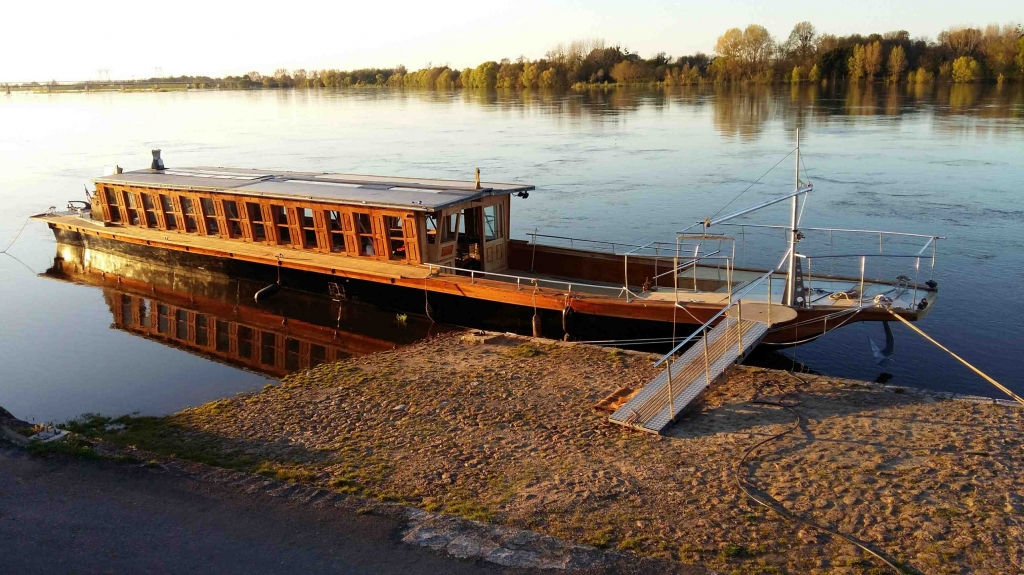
column 754, row 182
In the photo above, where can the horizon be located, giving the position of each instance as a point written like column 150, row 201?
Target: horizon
column 304, row 35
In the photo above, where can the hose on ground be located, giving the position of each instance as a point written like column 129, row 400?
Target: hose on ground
column 748, row 489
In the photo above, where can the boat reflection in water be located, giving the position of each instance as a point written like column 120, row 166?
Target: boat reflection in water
column 215, row 316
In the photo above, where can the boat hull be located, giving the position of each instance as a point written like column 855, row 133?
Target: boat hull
column 476, row 302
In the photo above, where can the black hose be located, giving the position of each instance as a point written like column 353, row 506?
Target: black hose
column 777, row 507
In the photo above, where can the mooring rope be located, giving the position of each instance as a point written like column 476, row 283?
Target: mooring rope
column 1001, row 387
column 18, row 235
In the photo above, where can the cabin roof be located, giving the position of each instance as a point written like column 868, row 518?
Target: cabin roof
column 423, row 194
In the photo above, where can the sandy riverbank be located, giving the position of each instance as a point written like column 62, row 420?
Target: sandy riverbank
column 505, row 432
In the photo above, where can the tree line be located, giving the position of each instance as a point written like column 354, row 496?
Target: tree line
column 959, row 54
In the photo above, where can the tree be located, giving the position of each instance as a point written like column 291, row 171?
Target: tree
column 797, row 76
column 801, row 41
column 856, row 63
column 627, row 72
column 966, row 69
column 872, row 59
column 815, row 74
column 531, row 75
column 961, row 40
column 1020, row 55
column 897, row 63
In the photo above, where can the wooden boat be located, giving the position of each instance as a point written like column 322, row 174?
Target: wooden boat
column 451, row 238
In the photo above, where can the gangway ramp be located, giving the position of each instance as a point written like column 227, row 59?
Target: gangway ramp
column 658, row 404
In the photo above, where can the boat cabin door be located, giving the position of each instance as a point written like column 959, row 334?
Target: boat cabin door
column 494, row 234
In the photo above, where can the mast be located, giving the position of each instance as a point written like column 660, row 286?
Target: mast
column 794, row 205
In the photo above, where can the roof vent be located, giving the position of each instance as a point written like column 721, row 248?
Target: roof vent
column 477, row 187
column 158, row 164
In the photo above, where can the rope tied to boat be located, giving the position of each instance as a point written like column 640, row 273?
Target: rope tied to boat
column 16, row 236
column 984, row 375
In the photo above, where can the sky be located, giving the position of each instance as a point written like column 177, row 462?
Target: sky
column 76, row 40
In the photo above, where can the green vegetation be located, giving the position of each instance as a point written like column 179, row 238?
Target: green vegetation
column 751, row 55
column 525, row 350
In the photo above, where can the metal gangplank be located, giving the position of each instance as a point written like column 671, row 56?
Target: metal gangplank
column 658, row 404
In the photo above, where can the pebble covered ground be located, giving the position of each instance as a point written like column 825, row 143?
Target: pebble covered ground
column 505, row 432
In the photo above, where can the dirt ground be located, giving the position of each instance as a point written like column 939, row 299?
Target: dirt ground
column 505, row 432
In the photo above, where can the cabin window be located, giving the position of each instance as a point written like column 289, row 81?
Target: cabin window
column 131, row 208
column 449, row 227
column 492, row 227
column 317, row 354
column 223, row 336
column 431, row 229
column 364, row 234
column 308, row 228
column 280, row 215
column 202, row 330
column 336, row 230
column 234, row 221
column 181, row 324
column 144, row 319
column 169, row 216
column 396, row 237
column 268, row 341
column 291, row 354
column 163, row 318
column 210, row 215
column 149, row 206
column 188, row 211
column 245, row 336
column 127, row 309
column 259, row 232
column 115, row 208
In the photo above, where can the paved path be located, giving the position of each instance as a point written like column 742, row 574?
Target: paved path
column 80, row 516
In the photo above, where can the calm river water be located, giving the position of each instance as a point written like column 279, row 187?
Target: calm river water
column 625, row 165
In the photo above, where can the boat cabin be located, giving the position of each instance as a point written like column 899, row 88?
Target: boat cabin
column 462, row 224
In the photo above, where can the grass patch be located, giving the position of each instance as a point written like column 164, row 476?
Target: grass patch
column 471, row 510
column 525, row 350
column 71, row 446
column 289, row 473
column 599, row 538
column 634, row 544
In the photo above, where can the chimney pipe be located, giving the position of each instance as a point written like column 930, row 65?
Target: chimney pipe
column 477, row 179
column 158, row 164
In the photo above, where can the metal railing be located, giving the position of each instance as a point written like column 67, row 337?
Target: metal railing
column 519, row 280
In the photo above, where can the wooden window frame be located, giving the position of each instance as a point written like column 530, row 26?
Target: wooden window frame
column 391, row 239
column 228, row 220
column 256, row 209
column 150, row 211
column 113, row 205
column 360, row 235
column 132, row 208
column 169, row 215
column 304, row 230
column 279, row 227
column 217, row 229
column 196, row 224
column 341, row 232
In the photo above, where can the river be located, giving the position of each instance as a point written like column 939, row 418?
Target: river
column 630, row 165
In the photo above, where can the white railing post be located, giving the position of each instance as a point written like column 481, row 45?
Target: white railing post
column 769, row 299
column 739, row 325
column 917, row 274
column 707, row 360
column 862, row 261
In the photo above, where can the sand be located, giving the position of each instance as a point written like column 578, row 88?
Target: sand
column 505, row 432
